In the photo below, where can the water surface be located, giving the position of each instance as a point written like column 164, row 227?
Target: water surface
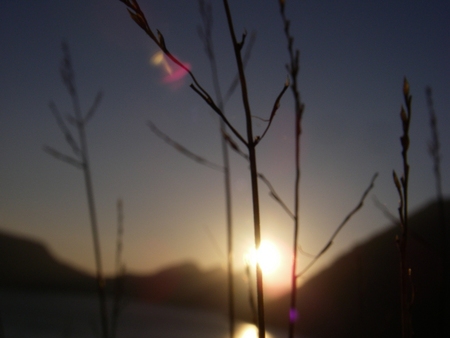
column 29, row 315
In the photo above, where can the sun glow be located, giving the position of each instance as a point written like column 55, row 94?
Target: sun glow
column 267, row 256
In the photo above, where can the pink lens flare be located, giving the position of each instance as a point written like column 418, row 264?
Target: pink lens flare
column 293, row 315
column 173, row 72
column 177, row 74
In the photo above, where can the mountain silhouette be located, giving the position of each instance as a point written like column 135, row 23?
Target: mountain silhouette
column 358, row 295
column 28, row 264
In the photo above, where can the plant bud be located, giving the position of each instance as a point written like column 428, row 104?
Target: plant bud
column 405, row 87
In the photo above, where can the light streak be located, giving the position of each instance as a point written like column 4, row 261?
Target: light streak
column 172, row 72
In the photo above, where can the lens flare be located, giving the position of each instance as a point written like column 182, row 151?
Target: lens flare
column 172, row 72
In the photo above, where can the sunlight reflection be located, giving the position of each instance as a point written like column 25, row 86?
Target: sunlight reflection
column 173, row 72
column 249, row 331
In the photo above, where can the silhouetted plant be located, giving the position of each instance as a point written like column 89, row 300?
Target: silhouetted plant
column 402, row 240
column 250, row 141
column 80, row 160
column 434, row 148
column 293, row 68
column 119, row 279
column 205, row 33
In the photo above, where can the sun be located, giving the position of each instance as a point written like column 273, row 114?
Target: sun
column 267, row 256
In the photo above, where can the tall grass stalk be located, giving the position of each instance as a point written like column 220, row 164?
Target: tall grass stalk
column 251, row 146
column 120, row 272
column 435, row 152
column 80, row 160
column 205, row 32
column 293, row 68
column 250, row 142
column 402, row 240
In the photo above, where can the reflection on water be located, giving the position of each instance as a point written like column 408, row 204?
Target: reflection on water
column 40, row 315
column 249, row 331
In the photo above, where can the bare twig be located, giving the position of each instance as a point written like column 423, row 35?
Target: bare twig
column 293, row 68
column 80, row 150
column 341, row 226
column 275, row 195
column 186, row 152
column 65, row 130
column 253, row 169
column 207, row 18
column 434, row 149
column 62, row 157
column 201, row 160
column 120, row 272
column 93, row 108
column 385, row 211
column 276, row 105
column 245, row 58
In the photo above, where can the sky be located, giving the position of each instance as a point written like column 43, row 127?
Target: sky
column 354, row 56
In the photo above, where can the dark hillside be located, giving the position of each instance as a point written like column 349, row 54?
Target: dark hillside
column 359, row 294
column 28, row 264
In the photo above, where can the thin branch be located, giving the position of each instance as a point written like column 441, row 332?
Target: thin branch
column 275, row 195
column 120, row 272
column 293, row 68
column 186, row 152
column 64, row 129
column 305, row 253
column 206, row 14
column 434, row 150
column 339, row 228
column 276, row 105
column 213, row 241
column 214, row 107
column 177, row 146
column 253, row 168
column 234, row 146
column 385, row 210
column 81, row 150
column 272, row 191
column 93, row 108
column 62, row 157
column 246, row 57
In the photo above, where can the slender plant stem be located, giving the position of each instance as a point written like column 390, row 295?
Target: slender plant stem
column 94, row 227
column 293, row 67
column 118, row 281
column 340, row 226
column 205, row 9
column 80, row 150
column 226, row 163
column 253, row 170
column 434, row 150
column 205, row 32
column 402, row 240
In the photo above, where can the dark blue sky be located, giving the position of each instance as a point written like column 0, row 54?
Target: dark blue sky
column 354, row 56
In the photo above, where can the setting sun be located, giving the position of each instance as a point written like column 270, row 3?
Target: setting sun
column 267, row 256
